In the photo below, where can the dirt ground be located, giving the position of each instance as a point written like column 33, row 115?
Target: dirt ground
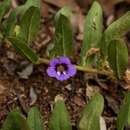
column 24, row 85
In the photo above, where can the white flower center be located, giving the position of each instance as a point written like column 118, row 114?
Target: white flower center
column 59, row 73
column 64, row 72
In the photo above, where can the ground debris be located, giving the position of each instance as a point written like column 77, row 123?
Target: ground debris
column 26, row 72
column 33, row 96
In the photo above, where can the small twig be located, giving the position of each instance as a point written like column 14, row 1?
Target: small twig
column 81, row 68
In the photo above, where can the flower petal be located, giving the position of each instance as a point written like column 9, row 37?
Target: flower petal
column 71, row 70
column 64, row 60
column 62, row 77
column 54, row 62
column 51, row 71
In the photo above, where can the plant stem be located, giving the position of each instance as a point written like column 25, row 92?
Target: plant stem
column 92, row 70
column 43, row 61
column 81, row 68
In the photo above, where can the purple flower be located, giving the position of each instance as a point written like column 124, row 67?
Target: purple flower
column 61, row 68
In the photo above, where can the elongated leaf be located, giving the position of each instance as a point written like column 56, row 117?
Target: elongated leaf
column 29, row 3
column 124, row 113
column 29, row 24
column 1, row 36
column 116, row 30
column 128, row 117
column 90, row 119
column 4, row 7
column 60, row 118
column 34, row 119
column 15, row 121
column 10, row 24
column 22, row 48
column 35, row 3
column 63, row 39
column 92, row 33
column 118, row 57
column 65, row 11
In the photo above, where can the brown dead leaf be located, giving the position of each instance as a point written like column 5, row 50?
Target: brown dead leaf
column 77, row 21
column 23, row 102
column 33, row 96
column 61, row 3
column 110, row 19
column 2, row 89
column 111, row 121
column 14, row 3
column 108, row 5
column 81, row 22
column 112, row 103
column 79, row 101
column 26, row 72
column 44, row 9
column 79, row 37
column 83, row 3
column 68, row 87
column 10, row 67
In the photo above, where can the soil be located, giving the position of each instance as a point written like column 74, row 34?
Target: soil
column 35, row 88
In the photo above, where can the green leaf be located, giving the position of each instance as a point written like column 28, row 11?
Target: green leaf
column 124, row 113
column 116, row 30
column 29, row 3
column 15, row 121
column 34, row 119
column 35, row 3
column 63, row 39
column 118, row 57
column 9, row 25
column 129, row 117
column 60, row 119
column 1, row 36
column 92, row 33
column 65, row 11
column 4, row 7
column 22, row 48
column 29, row 24
column 90, row 119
